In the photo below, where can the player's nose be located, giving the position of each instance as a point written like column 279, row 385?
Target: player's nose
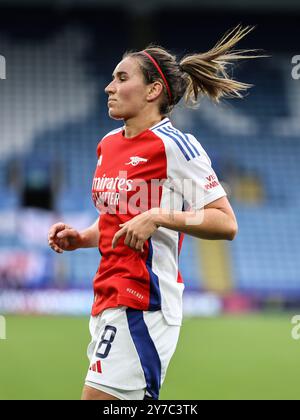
column 110, row 88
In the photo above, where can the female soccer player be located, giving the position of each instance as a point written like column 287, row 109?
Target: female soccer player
column 152, row 184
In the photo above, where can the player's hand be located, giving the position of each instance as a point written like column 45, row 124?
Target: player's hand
column 62, row 237
column 136, row 231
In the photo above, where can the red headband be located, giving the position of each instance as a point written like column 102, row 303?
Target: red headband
column 160, row 72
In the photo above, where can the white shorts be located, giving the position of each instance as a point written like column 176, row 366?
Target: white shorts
column 130, row 352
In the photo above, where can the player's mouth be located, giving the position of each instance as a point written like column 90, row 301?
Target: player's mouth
column 110, row 101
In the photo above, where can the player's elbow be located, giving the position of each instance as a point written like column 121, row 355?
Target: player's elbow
column 232, row 230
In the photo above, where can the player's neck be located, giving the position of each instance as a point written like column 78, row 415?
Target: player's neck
column 137, row 125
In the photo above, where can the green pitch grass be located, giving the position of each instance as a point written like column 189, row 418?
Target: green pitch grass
column 245, row 357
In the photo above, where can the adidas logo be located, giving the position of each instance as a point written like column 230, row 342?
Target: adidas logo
column 96, row 367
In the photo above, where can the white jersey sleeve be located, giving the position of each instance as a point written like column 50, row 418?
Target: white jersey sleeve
column 189, row 169
column 199, row 182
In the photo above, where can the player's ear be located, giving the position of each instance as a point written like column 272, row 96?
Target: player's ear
column 154, row 90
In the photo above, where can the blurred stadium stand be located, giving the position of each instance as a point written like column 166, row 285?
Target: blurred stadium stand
column 53, row 106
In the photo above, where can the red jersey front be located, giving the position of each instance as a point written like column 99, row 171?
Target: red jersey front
column 132, row 176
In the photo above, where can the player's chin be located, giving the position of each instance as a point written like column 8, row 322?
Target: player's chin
column 113, row 113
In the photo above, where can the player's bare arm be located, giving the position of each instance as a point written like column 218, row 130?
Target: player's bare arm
column 63, row 237
column 217, row 222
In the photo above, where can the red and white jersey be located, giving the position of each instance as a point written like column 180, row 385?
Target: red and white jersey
column 159, row 168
